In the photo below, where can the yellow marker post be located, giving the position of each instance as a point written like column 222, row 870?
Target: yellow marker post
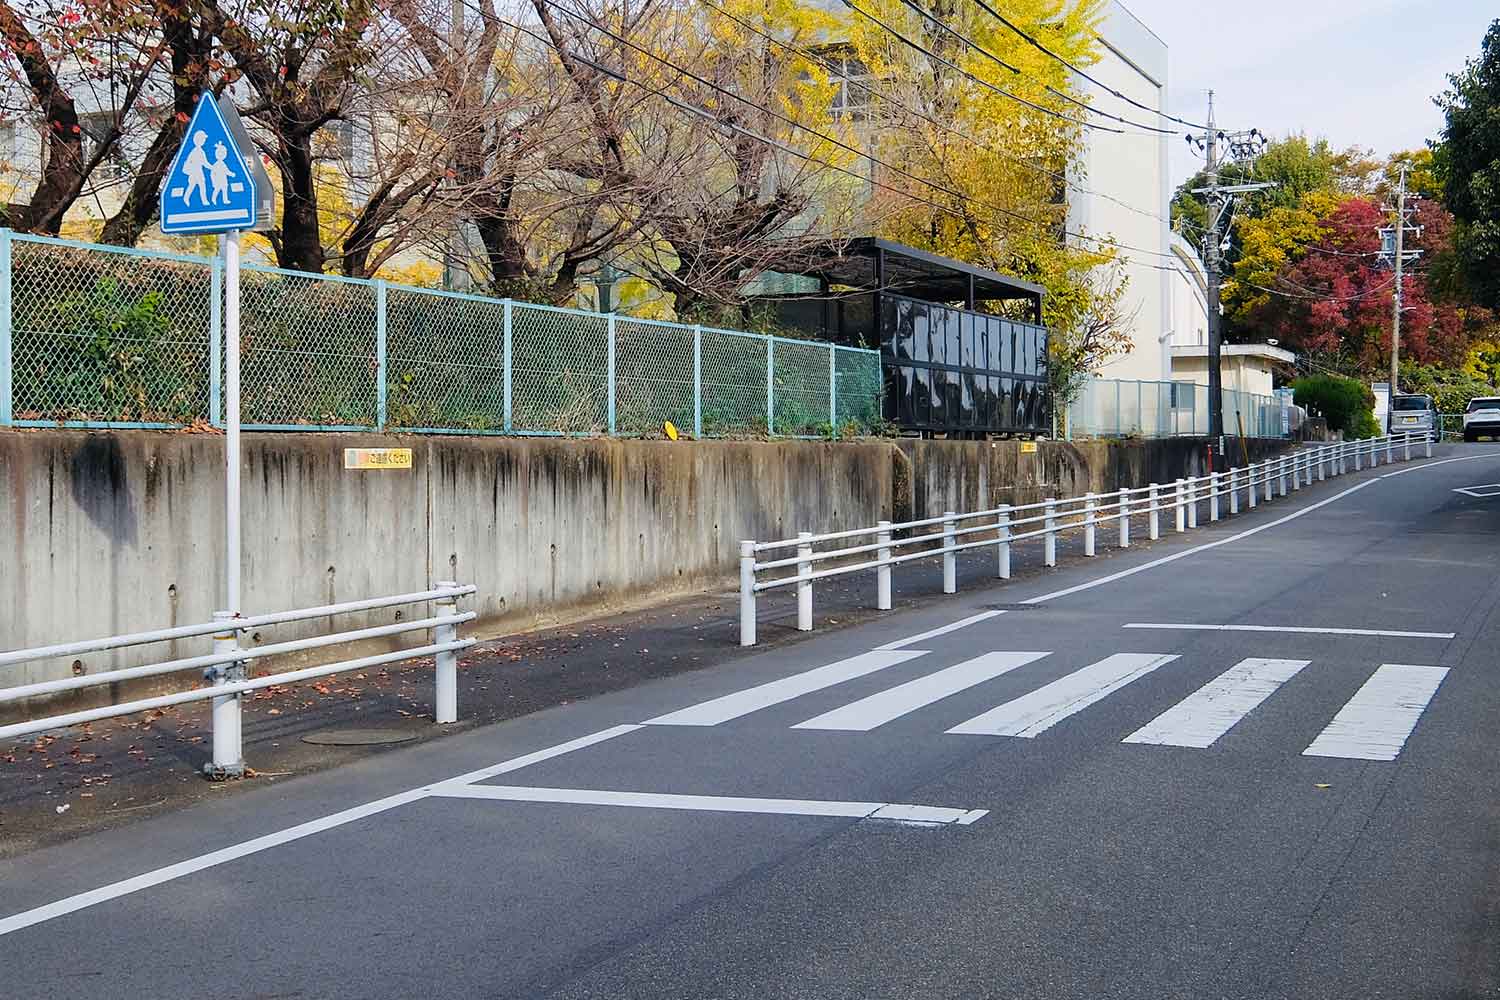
column 377, row 458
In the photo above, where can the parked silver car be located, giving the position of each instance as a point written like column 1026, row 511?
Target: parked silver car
column 1413, row 414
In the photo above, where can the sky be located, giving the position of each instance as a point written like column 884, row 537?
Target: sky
column 1360, row 72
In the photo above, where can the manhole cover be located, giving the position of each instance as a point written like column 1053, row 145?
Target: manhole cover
column 358, row 737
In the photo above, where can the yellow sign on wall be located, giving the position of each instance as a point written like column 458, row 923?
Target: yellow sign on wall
column 377, row 458
column 1028, row 447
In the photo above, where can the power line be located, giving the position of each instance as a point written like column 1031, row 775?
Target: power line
column 982, row 5
column 960, row 133
column 971, row 43
column 705, row 113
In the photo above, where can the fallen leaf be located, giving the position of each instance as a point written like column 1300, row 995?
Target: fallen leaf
column 1322, row 786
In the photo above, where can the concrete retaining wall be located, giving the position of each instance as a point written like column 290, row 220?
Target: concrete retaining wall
column 112, row 532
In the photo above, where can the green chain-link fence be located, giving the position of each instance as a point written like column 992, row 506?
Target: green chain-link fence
column 94, row 335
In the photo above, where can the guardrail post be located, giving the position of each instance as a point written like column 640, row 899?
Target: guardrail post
column 1213, row 496
column 1179, row 504
column 1281, row 469
column 1153, row 497
column 1234, row 491
column 747, row 593
column 381, row 375
column 1192, row 501
column 1252, row 487
column 445, row 681
column 1406, row 440
column 506, row 354
column 1359, row 449
column 1049, row 537
column 950, row 558
column 1270, row 493
column 697, row 382
column 7, row 412
column 1090, row 507
column 1322, row 462
column 228, row 746
column 804, row 589
column 1002, row 546
column 883, row 570
column 1390, row 449
column 1428, row 439
column 1124, row 519
column 1297, row 464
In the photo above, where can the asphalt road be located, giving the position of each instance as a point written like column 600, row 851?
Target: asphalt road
column 1306, row 808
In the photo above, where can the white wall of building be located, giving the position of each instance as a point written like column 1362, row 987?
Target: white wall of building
column 1129, row 178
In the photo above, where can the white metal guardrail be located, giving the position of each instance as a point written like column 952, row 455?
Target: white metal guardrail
column 946, row 536
column 226, row 666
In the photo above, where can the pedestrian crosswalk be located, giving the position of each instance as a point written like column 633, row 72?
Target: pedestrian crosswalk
column 1374, row 723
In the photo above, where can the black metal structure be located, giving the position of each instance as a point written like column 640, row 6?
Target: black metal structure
column 950, row 367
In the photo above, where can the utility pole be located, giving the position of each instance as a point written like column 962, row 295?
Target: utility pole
column 1243, row 148
column 1393, row 251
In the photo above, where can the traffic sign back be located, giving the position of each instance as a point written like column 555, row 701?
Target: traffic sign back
column 211, row 186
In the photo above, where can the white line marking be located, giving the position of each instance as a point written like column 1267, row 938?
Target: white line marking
column 944, row 630
column 1200, row 719
column 516, row 763
column 1473, row 491
column 924, row 815
column 1035, row 713
column 1441, row 461
column 1376, row 722
column 732, row 706
column 234, row 852
column 1153, row 564
column 878, row 709
column 1296, row 629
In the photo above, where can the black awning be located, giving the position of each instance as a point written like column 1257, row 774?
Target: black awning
column 920, row 275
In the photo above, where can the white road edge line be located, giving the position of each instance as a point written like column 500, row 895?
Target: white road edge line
column 1441, row 461
column 234, row 852
column 943, row 630
column 916, row 815
column 1294, row 629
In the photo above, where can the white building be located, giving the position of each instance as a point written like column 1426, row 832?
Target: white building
column 1123, row 186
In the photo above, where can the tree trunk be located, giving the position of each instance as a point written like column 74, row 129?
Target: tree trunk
column 301, row 243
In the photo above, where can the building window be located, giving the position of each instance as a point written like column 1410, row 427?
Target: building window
column 852, row 98
column 340, row 137
column 96, row 127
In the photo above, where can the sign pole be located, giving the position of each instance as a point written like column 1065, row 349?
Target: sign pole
column 232, row 421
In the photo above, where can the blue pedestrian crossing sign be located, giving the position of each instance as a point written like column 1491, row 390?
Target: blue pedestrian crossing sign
column 211, row 187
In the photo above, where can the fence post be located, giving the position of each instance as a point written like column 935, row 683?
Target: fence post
column 1390, row 449
column 7, row 411
column 1270, row 493
column 1152, row 496
column 508, row 355
column 950, row 558
column 1213, row 496
column 1296, row 461
column 1253, row 486
column 1234, row 491
column 1049, row 532
column 215, row 342
column 1090, row 507
column 1002, row 547
column 1179, row 505
column 1406, row 441
column 833, row 389
column 380, row 355
column 1192, row 501
column 747, row 593
column 1322, row 463
column 1282, row 465
column 770, row 386
column 1428, row 439
column 228, row 749
column 805, row 588
column 1124, row 519
column 697, row 382
column 883, row 570
column 1358, row 456
column 609, row 333
column 445, row 681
